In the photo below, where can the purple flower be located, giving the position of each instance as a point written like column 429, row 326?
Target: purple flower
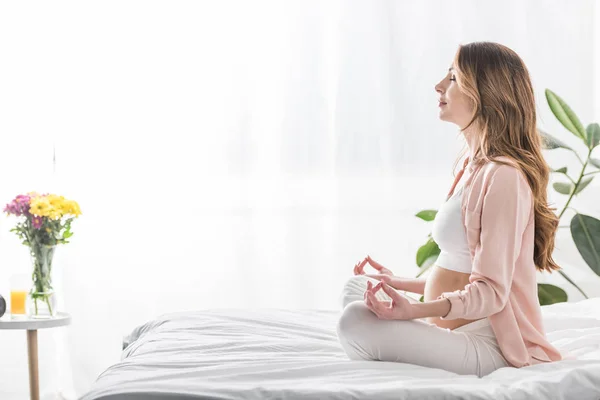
column 37, row 222
column 12, row 208
column 19, row 206
column 24, row 202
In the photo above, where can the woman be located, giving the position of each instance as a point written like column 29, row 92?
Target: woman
column 480, row 311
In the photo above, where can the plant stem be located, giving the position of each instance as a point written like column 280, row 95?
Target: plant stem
column 592, row 173
column 572, row 283
column 576, row 183
column 423, row 270
column 39, row 284
column 579, row 158
column 48, row 302
column 571, row 179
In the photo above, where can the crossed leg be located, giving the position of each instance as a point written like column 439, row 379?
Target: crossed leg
column 364, row 336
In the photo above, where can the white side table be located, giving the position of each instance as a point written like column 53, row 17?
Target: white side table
column 32, row 326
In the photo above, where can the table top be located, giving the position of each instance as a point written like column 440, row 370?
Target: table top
column 60, row 319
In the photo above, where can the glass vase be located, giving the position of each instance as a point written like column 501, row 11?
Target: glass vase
column 42, row 302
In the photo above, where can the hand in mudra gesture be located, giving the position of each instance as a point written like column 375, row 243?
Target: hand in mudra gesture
column 359, row 268
column 383, row 275
column 398, row 307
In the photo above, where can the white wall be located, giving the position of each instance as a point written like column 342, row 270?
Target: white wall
column 597, row 61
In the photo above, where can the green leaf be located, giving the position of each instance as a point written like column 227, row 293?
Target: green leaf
column 549, row 142
column 562, row 170
column 584, row 182
column 429, row 262
column 422, row 299
column 550, row 294
column 565, row 115
column 593, row 135
column 563, row 188
column 427, row 250
column 595, row 162
column 585, row 231
column 427, row 215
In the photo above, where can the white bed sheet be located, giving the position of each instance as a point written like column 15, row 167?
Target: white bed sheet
column 295, row 354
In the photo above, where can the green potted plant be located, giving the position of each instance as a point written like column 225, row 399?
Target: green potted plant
column 585, row 229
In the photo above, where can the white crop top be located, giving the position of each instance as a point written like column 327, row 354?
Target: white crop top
column 449, row 233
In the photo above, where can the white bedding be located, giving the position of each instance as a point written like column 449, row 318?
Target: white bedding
column 289, row 354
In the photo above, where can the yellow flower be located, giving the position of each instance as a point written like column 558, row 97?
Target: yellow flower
column 52, row 206
column 54, row 214
column 55, row 200
column 57, row 204
column 74, row 208
column 40, row 206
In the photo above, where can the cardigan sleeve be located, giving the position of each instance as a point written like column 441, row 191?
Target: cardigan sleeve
column 506, row 210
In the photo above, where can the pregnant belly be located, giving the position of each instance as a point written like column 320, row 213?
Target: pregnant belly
column 442, row 280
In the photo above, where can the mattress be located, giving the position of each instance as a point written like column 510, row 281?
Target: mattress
column 295, row 354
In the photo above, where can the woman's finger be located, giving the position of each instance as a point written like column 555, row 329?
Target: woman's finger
column 391, row 292
column 375, row 304
column 358, row 269
column 386, row 309
column 376, row 287
column 374, row 263
column 371, row 302
column 368, row 301
column 368, row 289
column 379, row 277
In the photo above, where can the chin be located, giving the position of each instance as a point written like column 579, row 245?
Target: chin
column 446, row 118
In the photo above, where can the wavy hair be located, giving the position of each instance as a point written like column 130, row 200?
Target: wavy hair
column 497, row 82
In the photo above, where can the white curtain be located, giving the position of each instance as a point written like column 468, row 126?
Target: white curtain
column 245, row 154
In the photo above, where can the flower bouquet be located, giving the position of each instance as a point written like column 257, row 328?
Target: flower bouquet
column 44, row 222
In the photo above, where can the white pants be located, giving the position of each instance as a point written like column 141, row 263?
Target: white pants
column 469, row 349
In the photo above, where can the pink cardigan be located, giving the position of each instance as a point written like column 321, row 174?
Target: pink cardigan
column 497, row 212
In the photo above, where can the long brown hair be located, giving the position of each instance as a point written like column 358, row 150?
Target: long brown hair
column 498, row 83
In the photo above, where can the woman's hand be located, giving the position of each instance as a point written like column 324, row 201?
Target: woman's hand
column 384, row 275
column 358, row 268
column 398, row 308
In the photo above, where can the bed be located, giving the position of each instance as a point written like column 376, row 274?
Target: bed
column 295, row 354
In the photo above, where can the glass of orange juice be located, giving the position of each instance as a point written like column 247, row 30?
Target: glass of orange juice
column 19, row 287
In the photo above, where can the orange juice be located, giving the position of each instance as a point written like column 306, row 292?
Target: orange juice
column 17, row 301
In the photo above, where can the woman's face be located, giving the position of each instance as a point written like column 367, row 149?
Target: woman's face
column 454, row 105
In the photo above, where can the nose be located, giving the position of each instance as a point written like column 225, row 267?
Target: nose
column 438, row 88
